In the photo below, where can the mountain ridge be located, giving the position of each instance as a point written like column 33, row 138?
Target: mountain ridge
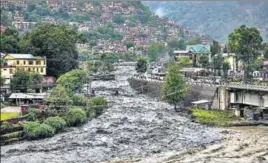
column 216, row 19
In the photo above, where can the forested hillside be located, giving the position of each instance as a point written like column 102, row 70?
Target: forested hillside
column 217, row 19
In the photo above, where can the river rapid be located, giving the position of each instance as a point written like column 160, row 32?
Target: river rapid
column 133, row 126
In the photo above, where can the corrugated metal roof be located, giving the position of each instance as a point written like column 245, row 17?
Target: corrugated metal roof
column 27, row 95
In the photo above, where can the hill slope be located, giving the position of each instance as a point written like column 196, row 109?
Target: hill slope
column 217, row 19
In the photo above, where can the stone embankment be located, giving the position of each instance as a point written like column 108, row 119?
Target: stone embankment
column 152, row 88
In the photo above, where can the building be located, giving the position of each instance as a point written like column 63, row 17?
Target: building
column 184, row 53
column 2, row 28
column 199, row 50
column 26, row 62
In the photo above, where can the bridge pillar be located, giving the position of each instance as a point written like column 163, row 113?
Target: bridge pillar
column 223, row 98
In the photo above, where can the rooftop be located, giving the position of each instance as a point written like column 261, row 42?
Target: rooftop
column 25, row 56
column 182, row 51
column 27, row 95
column 201, row 102
column 199, row 48
column 22, row 56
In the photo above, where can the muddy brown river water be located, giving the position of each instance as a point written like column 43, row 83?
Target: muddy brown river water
column 135, row 126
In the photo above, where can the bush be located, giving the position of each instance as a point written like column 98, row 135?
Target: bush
column 98, row 104
column 75, row 116
column 11, row 135
column 32, row 114
column 35, row 130
column 213, row 117
column 5, row 125
column 56, row 122
column 79, row 100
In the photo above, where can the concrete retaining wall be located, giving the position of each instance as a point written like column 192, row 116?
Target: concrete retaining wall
column 197, row 92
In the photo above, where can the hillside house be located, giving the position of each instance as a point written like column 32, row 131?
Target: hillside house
column 197, row 51
column 18, row 16
column 184, row 53
column 23, row 25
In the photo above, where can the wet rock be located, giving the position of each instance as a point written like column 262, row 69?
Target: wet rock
column 102, row 131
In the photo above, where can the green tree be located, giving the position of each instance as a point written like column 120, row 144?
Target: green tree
column 215, row 48
column 57, row 43
column 73, row 80
column 246, row 43
column 141, row 65
column 98, row 104
column 75, row 116
column 118, row 19
column 225, row 68
column 155, row 50
column 36, row 78
column 21, row 80
column 193, row 41
column 204, row 61
column 59, row 100
column 266, row 51
column 216, row 65
column 129, row 44
column 5, row 19
column 176, row 44
column 255, row 65
column 79, row 100
column 174, row 89
column 184, row 62
column 10, row 41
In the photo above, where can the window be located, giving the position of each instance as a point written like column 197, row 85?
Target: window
column 24, row 62
column 11, row 71
column 42, row 70
column 5, row 69
column 38, row 62
column 18, row 62
column 30, row 62
column 29, row 69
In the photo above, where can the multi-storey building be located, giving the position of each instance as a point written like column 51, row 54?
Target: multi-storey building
column 25, row 62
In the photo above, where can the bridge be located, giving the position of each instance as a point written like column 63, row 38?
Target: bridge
column 242, row 86
column 240, row 97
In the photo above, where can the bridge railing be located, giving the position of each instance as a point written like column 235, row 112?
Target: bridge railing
column 260, row 86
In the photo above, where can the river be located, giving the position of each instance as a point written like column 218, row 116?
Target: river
column 133, row 126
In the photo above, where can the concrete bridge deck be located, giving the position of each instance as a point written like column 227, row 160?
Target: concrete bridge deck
column 260, row 87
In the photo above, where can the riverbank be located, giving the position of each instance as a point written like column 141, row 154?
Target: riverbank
column 243, row 145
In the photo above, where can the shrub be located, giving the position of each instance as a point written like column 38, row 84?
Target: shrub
column 5, row 125
column 75, row 116
column 79, row 100
column 11, row 135
column 98, row 104
column 213, row 117
column 32, row 114
column 35, row 130
column 56, row 122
